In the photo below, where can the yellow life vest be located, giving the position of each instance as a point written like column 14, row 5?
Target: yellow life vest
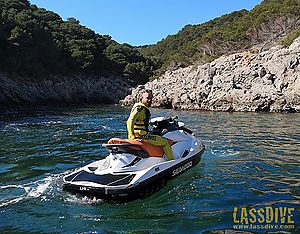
column 138, row 121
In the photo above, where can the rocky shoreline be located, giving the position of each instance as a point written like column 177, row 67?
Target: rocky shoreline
column 60, row 90
column 267, row 81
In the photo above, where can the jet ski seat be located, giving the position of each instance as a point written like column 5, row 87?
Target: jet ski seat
column 137, row 146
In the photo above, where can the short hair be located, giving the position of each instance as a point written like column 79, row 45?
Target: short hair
column 148, row 91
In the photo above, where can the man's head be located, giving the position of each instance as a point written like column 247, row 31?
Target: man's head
column 147, row 97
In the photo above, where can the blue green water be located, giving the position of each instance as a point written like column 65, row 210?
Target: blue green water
column 251, row 160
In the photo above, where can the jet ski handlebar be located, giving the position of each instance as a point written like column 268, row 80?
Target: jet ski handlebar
column 157, row 120
column 161, row 125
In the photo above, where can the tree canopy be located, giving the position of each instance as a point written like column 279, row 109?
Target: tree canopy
column 34, row 41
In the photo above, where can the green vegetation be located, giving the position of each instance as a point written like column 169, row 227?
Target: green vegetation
column 226, row 34
column 36, row 42
column 288, row 40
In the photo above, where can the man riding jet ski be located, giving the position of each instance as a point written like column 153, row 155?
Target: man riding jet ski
column 138, row 124
column 135, row 167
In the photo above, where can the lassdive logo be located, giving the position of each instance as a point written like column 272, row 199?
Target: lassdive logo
column 264, row 218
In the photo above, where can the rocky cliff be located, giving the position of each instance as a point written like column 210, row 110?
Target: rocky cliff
column 248, row 81
column 54, row 90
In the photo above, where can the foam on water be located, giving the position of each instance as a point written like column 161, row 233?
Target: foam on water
column 33, row 189
column 83, row 200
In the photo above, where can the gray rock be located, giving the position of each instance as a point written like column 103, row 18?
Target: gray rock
column 53, row 90
column 248, row 81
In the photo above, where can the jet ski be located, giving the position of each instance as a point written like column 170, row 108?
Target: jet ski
column 136, row 169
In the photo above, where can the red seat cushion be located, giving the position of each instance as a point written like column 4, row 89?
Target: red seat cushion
column 153, row 151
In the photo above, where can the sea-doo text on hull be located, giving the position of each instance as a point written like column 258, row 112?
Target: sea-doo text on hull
column 135, row 169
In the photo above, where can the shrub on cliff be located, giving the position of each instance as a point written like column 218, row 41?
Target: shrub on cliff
column 288, row 40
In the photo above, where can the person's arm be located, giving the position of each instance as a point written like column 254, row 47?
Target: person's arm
column 135, row 114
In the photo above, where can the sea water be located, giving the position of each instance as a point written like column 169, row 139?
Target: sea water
column 251, row 162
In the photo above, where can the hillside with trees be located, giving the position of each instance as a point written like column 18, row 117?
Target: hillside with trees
column 240, row 30
column 35, row 42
